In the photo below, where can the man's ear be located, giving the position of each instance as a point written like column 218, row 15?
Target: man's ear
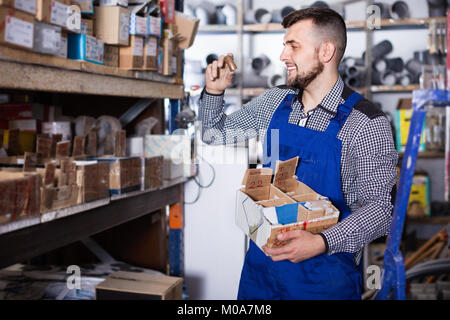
column 327, row 51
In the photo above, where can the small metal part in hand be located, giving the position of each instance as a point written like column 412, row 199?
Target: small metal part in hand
column 230, row 63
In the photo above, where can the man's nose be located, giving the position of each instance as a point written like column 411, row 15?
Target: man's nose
column 283, row 54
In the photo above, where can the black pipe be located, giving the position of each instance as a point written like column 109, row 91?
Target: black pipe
column 380, row 50
column 404, row 79
column 395, row 64
column 414, row 67
column 437, row 8
column 400, row 10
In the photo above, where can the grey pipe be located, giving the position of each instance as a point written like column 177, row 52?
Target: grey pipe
column 384, row 10
column 380, row 50
column 355, row 71
column 400, row 10
column 257, row 16
column 436, row 8
column 320, row 4
column 354, row 82
column 259, row 63
column 352, row 61
column 387, row 78
column 279, row 14
column 404, row 79
column 276, row 80
column 395, row 64
column 414, row 67
column 380, row 65
column 230, row 13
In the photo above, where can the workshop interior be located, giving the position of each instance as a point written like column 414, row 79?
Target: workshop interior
column 108, row 190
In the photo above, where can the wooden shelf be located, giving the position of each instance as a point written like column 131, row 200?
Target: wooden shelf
column 428, row 220
column 25, row 70
column 426, row 155
column 218, row 28
column 396, row 88
column 28, row 238
column 355, row 25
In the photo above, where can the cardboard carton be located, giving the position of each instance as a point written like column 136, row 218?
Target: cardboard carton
column 263, row 210
column 187, row 27
column 132, row 57
column 151, row 53
column 154, row 26
column 18, row 28
column 138, row 19
column 55, row 12
column 152, row 172
column 105, row 3
column 28, row 6
column 167, row 49
column 122, row 285
column 124, row 173
column 403, row 115
column 111, row 58
column 47, row 38
column 174, row 147
column 172, row 169
column 87, row 27
column 85, row 47
column 19, row 196
column 112, row 25
column 63, row 47
column 86, row 6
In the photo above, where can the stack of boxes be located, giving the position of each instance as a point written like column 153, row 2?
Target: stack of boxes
column 114, row 33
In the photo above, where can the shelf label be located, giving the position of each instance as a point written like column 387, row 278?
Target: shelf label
column 138, row 48
column 94, row 49
column 51, row 39
column 19, row 32
column 124, row 25
column 59, row 13
column 26, row 5
column 152, row 46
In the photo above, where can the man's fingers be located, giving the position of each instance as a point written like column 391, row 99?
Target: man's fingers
column 289, row 235
column 214, row 70
column 275, row 251
column 220, row 62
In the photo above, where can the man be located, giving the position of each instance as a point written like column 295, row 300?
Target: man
column 346, row 152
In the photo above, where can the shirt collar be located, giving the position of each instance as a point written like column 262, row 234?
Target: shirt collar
column 332, row 100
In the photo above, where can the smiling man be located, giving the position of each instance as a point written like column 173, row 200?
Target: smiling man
column 346, row 152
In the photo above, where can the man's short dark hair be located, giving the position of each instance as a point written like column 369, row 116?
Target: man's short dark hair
column 328, row 22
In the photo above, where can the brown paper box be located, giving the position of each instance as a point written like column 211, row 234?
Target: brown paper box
column 132, row 56
column 151, row 53
column 132, row 285
column 187, row 27
column 111, row 58
column 19, row 196
column 25, row 40
column 111, row 25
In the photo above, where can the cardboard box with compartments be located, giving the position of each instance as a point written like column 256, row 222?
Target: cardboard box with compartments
column 263, row 209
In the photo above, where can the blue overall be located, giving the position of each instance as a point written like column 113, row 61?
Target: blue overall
column 324, row 276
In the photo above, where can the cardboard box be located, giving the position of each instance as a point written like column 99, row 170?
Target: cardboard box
column 55, row 12
column 18, row 28
column 111, row 58
column 151, row 53
column 138, row 19
column 187, row 27
column 85, row 47
column 263, row 210
column 63, row 47
column 167, row 48
column 105, row 3
column 403, row 114
column 124, row 173
column 154, row 26
column 87, row 181
column 168, row 10
column 132, row 57
column 47, row 38
column 122, row 285
column 28, row 6
column 112, row 25
column 419, row 198
column 172, row 169
column 86, row 6
column 174, row 147
column 19, row 196
column 152, row 172
column 87, row 27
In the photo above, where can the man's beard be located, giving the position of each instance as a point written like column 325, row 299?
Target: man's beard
column 302, row 81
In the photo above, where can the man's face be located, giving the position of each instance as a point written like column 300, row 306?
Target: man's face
column 301, row 54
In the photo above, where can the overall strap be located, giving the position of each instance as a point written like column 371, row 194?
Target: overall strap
column 342, row 113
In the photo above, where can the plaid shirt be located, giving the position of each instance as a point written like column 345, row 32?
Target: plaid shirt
column 368, row 157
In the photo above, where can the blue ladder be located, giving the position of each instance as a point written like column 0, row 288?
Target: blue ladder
column 393, row 274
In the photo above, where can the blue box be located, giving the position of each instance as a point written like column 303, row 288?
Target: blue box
column 85, row 47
